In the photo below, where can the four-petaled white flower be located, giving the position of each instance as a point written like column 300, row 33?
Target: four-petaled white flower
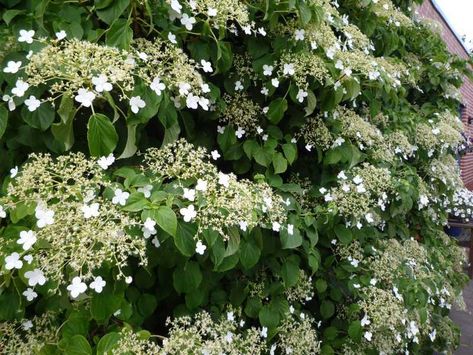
column 61, row 35
column 264, row 332
column 365, row 321
column 299, row 35
column 27, row 325
column 265, row 91
column 240, row 132
column 369, row 218
column 13, row 261
column 301, row 95
column 176, row 6
column 136, row 103
column 172, row 38
column 204, row 103
column 288, row 69
column 26, row 36
column 189, row 213
column 223, row 179
column 189, row 194
column 157, row 86
column 9, row 100
column 91, row 210
column 45, row 217
column 275, row 82
column 32, row 103
column 230, row 316
column 149, row 228
column 14, row 172
column 184, row 88
column 30, row 294
column 128, row 279
column 201, row 185
column 215, row 154
column 276, row 226
column 156, row 242
column 76, row 287
column 85, row 97
column 368, row 336
column 200, row 248
column 27, row 239
column 268, row 70
column 101, row 83
column 120, row 197
column 206, row 66
column 146, row 190
column 98, row 284
column 212, row 12
column 205, row 87
column 28, row 258
column 262, row 31
column 20, row 88
column 238, row 85
column 290, row 229
column 35, row 277
column 187, row 22
column 105, row 161
column 192, row 101
column 12, row 67
column 243, row 225
column 3, row 213
column 220, row 129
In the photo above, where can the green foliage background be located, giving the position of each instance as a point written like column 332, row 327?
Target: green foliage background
column 176, row 280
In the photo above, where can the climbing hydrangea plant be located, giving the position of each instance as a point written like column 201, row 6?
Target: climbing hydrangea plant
column 235, row 176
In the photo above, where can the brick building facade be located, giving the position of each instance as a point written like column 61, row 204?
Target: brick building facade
column 429, row 9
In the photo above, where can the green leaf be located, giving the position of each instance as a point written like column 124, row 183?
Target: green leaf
column 224, row 57
column 152, row 101
column 290, row 152
column 355, row 330
column 41, row 118
column 268, row 316
column 76, row 324
column 305, row 14
column 63, row 131
column 119, row 34
column 78, row 345
column 104, row 304
column 249, row 253
column 136, row 202
column 279, row 163
column 3, row 120
column 167, row 220
column 147, row 304
column 262, row 156
column 276, row 111
column 9, row 15
column 130, row 148
column 107, row 342
column 327, row 309
column 321, row 285
column 101, row 135
column 290, row 241
column 311, row 103
column 289, row 273
column 9, row 304
column 187, row 277
column 110, row 13
column 184, row 239
column 343, row 233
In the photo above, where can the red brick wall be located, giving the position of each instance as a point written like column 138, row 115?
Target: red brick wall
column 428, row 10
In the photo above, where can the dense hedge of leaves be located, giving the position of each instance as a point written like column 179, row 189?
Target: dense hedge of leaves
column 207, row 177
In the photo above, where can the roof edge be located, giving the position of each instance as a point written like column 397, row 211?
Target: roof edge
column 447, row 22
